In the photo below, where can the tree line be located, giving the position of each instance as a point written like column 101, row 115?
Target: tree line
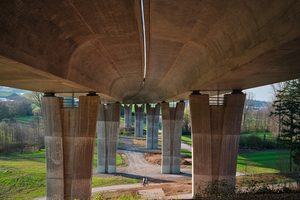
column 16, row 137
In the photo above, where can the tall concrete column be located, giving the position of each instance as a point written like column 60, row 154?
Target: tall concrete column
column 107, row 136
column 215, row 136
column 139, row 120
column 152, row 126
column 69, row 143
column 127, row 115
column 172, row 119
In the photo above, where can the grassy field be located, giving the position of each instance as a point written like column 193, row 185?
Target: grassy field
column 25, row 178
column 186, row 139
column 186, row 153
column 269, row 136
column 39, row 153
column 26, row 119
column 268, row 161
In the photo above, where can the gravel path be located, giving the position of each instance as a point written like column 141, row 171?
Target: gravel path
column 138, row 167
column 186, row 146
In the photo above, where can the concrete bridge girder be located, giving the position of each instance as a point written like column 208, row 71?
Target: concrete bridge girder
column 63, row 47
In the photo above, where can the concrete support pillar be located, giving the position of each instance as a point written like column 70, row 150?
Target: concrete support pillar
column 107, row 136
column 215, row 137
column 172, row 119
column 152, row 126
column 69, row 143
column 139, row 120
column 127, row 115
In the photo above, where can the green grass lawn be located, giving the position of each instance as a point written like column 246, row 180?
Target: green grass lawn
column 26, row 119
column 186, row 153
column 39, row 153
column 130, row 134
column 186, row 139
column 269, row 161
column 116, row 180
column 269, row 136
column 26, row 178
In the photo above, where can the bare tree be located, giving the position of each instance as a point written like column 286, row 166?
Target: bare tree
column 35, row 98
column 248, row 106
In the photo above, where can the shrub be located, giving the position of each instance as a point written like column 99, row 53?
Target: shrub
column 254, row 140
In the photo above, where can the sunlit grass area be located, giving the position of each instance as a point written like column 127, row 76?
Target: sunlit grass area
column 25, row 178
column 116, row 180
column 269, row 136
column 186, row 139
column 27, row 119
column 38, row 153
column 186, row 153
column 268, row 161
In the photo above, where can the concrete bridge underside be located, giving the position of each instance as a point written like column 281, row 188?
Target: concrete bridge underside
column 78, row 46
column 87, row 46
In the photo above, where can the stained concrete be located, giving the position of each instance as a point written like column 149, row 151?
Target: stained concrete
column 172, row 119
column 152, row 126
column 107, row 136
column 127, row 114
column 215, row 136
column 69, row 143
column 67, row 46
column 139, row 120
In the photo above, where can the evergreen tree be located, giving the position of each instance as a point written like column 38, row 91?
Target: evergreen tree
column 287, row 106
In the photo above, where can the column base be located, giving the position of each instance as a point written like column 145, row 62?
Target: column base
column 101, row 169
column 166, row 169
column 111, row 169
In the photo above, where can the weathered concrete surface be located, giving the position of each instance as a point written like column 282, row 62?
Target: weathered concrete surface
column 51, row 108
column 79, row 46
column 152, row 126
column 139, row 120
column 172, row 119
column 127, row 114
column 215, row 135
column 69, row 141
column 107, row 136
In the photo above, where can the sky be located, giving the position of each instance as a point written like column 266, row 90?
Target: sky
column 262, row 93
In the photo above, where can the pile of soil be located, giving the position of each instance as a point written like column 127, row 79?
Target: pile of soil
column 155, row 159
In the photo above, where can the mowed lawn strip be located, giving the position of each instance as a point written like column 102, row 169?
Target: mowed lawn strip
column 269, row 136
column 268, row 161
column 186, row 139
column 25, row 178
column 38, row 153
column 26, row 119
